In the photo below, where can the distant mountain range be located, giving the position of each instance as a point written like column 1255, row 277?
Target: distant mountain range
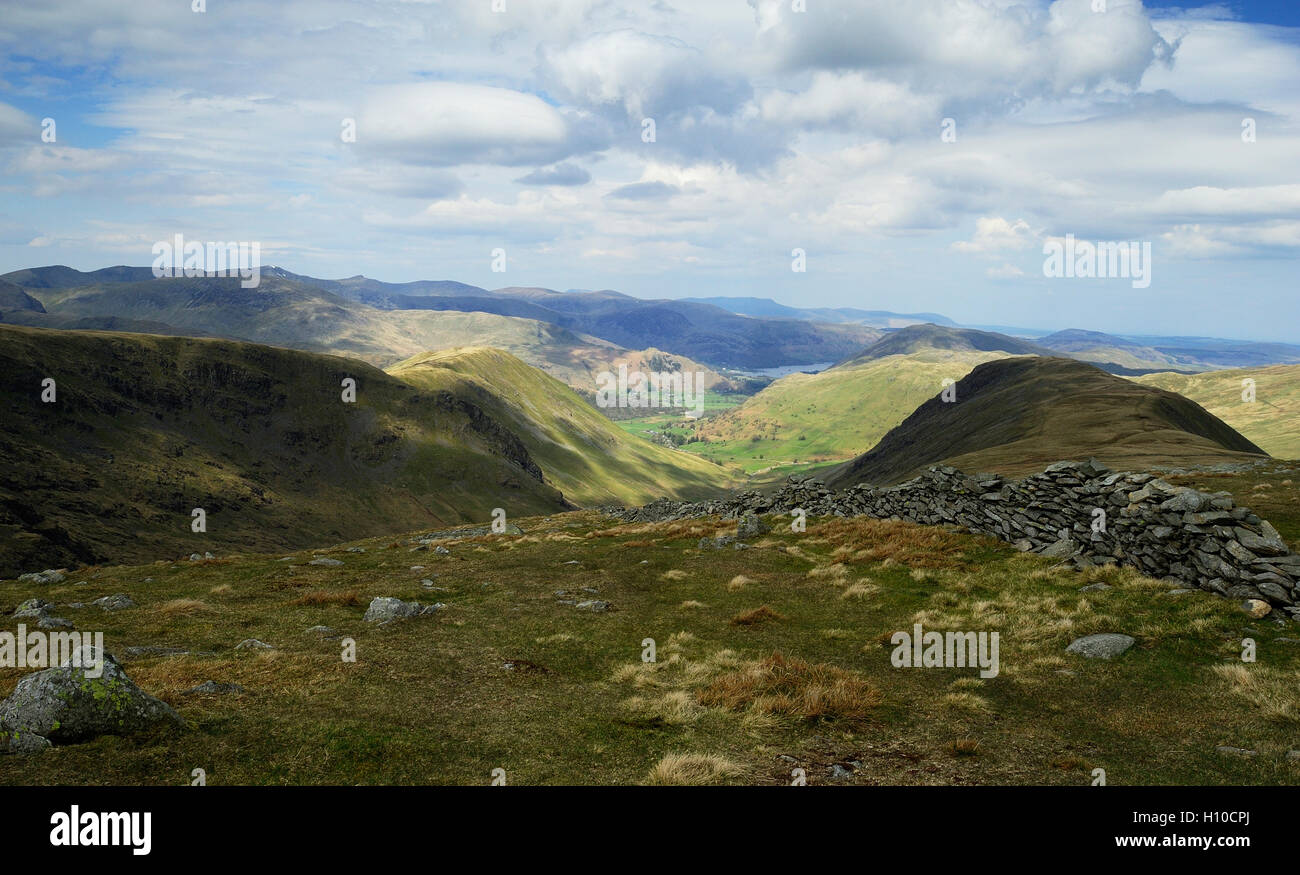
column 767, row 308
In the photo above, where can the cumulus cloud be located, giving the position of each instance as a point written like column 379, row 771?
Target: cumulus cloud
column 449, row 123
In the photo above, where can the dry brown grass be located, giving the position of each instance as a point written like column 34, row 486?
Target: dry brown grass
column 760, row 614
column 328, row 597
column 905, row 543
column 738, row 582
column 793, row 688
column 183, row 607
column 692, row 769
column 673, row 574
column 963, row 747
column 1270, row 690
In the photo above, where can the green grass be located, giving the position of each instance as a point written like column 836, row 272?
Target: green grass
column 583, row 454
column 430, row 701
column 805, row 421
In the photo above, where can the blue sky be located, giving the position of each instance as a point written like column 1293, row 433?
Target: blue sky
column 522, row 130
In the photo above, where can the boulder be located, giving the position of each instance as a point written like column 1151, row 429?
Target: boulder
column 1105, row 645
column 86, row 696
column 386, row 609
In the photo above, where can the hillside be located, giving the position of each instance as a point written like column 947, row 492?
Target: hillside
column 829, row 416
column 1269, row 421
column 916, row 338
column 583, row 454
column 1020, row 414
column 769, row 659
column 147, row 428
column 1097, row 346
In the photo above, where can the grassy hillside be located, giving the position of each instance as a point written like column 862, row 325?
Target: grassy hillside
column 919, row 338
column 1016, row 415
column 147, row 428
column 832, row 415
column 768, row 660
column 590, row 459
column 1269, row 421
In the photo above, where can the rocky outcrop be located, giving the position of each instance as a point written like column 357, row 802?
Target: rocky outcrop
column 1079, row 512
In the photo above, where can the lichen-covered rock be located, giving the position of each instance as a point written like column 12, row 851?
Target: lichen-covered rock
column 33, row 609
column 50, row 575
column 385, row 609
column 750, row 526
column 86, row 696
column 119, row 602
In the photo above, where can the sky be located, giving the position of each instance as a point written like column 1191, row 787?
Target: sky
column 917, row 156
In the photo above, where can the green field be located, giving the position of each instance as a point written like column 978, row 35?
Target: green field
column 807, row 421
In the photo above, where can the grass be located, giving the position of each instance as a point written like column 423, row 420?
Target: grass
column 507, row 676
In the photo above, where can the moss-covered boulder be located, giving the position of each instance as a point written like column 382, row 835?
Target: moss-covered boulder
column 80, row 700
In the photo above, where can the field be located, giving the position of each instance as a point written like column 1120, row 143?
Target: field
column 768, row 660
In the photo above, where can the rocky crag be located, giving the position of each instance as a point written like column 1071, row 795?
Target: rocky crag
column 1079, row 512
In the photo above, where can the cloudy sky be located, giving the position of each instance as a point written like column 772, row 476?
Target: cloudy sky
column 525, row 129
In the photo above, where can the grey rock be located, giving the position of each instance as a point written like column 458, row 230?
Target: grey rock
column 326, row 561
column 70, row 703
column 596, row 606
column 253, row 644
column 119, row 602
column 33, row 609
column 386, row 609
column 1105, row 645
column 49, row 575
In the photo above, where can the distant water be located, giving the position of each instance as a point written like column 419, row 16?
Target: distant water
column 777, row 373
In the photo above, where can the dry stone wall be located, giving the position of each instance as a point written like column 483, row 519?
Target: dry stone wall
column 1080, row 512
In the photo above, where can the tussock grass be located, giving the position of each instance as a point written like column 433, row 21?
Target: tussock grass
column 756, row 616
column 738, row 582
column 673, row 574
column 693, row 769
column 183, row 607
column 793, row 688
column 1274, row 693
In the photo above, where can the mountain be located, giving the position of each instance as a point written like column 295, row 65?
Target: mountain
column 1214, row 352
column 590, row 459
column 145, row 428
column 1269, row 420
column 766, row 307
column 283, row 311
column 1016, row 415
column 915, row 338
column 1097, row 346
column 385, row 323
